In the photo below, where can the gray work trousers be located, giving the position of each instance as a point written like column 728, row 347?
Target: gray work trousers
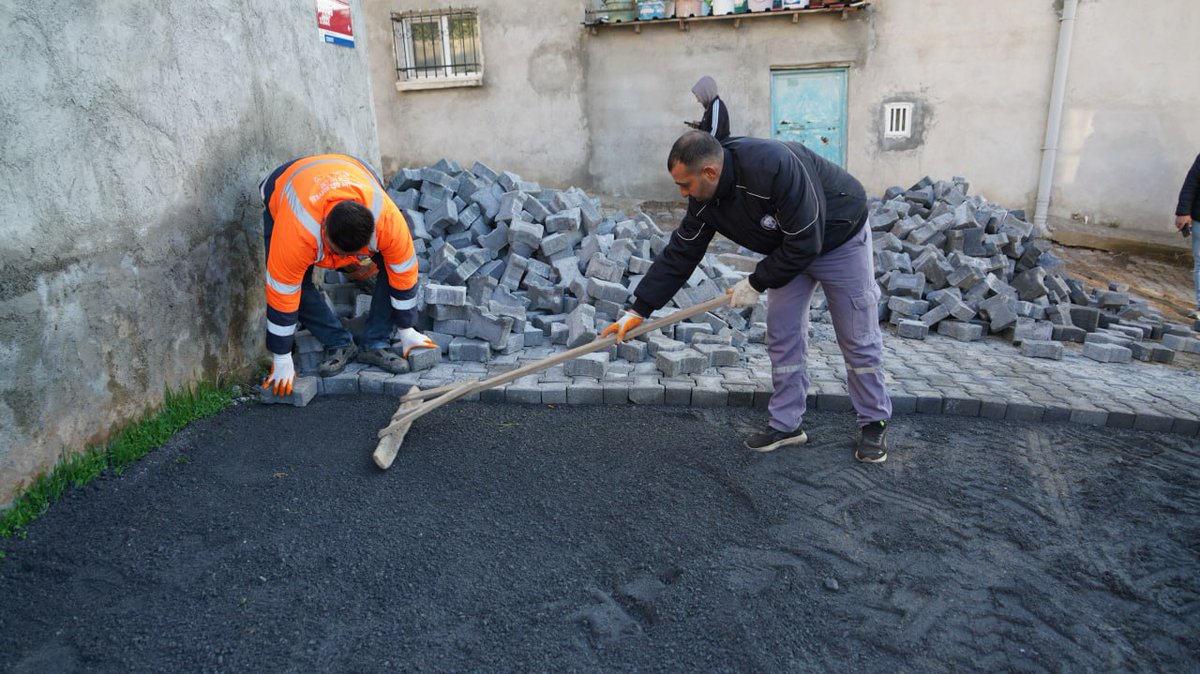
column 847, row 275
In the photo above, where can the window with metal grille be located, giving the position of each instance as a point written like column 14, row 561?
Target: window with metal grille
column 438, row 48
column 897, row 120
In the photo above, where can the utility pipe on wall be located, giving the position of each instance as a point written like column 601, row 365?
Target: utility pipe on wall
column 1066, row 31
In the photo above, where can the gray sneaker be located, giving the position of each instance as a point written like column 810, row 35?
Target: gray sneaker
column 773, row 439
column 336, row 359
column 384, row 359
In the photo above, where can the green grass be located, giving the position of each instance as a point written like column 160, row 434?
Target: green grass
column 129, row 445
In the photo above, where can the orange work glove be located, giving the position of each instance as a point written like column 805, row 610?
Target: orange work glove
column 283, row 374
column 630, row 320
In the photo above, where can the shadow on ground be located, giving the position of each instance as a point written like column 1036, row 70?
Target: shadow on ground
column 532, row 538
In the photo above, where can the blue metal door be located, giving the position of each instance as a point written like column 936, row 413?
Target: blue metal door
column 809, row 107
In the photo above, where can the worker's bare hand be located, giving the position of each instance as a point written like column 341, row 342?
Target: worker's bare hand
column 1182, row 221
column 283, row 374
column 628, row 321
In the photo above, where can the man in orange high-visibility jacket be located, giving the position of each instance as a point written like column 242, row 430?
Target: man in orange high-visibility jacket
column 330, row 210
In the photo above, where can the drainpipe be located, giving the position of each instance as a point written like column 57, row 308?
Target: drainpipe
column 1066, row 31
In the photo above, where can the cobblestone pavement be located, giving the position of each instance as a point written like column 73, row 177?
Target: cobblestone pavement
column 939, row 375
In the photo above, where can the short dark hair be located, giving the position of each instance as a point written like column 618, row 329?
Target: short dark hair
column 350, row 225
column 694, row 149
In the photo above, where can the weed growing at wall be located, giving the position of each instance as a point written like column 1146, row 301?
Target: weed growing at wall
column 130, row 444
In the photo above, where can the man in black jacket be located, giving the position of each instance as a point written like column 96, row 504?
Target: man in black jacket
column 1186, row 214
column 808, row 217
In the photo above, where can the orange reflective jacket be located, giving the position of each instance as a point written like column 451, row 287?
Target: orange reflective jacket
column 300, row 199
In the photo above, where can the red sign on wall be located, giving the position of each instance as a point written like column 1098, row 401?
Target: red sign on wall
column 333, row 22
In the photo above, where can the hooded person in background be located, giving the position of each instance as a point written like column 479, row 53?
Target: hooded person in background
column 716, row 115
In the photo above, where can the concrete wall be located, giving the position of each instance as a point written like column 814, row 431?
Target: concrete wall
column 1131, row 125
column 979, row 73
column 528, row 115
column 132, row 138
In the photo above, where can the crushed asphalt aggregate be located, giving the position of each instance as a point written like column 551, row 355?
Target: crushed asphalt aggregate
column 615, row 538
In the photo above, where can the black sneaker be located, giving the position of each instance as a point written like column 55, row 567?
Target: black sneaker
column 872, row 443
column 773, row 439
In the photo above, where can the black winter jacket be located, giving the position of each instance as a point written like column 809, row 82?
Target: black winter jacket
column 721, row 121
column 1189, row 195
column 775, row 198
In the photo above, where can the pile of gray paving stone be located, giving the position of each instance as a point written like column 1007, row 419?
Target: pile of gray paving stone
column 965, row 267
column 507, row 265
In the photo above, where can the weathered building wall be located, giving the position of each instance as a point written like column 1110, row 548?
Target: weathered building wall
column 1130, row 128
column 133, row 135
column 528, row 116
column 979, row 74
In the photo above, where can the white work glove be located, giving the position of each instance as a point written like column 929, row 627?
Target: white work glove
column 283, row 374
column 743, row 295
column 628, row 321
column 411, row 339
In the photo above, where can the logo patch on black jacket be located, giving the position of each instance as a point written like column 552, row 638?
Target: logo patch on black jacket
column 768, row 222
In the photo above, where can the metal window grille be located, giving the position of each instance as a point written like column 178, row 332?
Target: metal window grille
column 437, row 44
column 898, row 120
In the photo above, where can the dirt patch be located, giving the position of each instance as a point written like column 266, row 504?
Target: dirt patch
column 528, row 538
column 1165, row 282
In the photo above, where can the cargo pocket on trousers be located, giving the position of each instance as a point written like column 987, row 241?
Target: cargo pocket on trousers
column 866, row 314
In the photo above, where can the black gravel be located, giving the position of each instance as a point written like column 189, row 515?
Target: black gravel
column 615, row 538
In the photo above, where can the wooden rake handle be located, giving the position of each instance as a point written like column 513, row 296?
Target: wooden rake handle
column 452, row 392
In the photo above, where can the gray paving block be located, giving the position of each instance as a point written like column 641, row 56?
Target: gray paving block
column 1153, row 422
column 719, row 355
column 709, row 395
column 1068, row 333
column 909, row 306
column 912, row 329
column 1121, row 418
column 583, row 391
column 1042, row 349
column 605, row 290
column 615, row 393
column 836, row 402
column 373, row 381
column 740, row 395
column 469, row 350
column 496, row 394
column 962, row 331
column 677, row 392
column 1186, row 427
column 524, row 392
column 1185, row 344
column 1056, row 415
column 960, row 406
column 400, row 384
column 454, row 296
column 1020, row 411
column 344, row 383
column 632, row 351
column 1107, row 353
column 304, row 389
column 993, row 408
column 686, row 361
column 903, row 403
column 588, row 365
column 647, row 391
column 554, row 393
